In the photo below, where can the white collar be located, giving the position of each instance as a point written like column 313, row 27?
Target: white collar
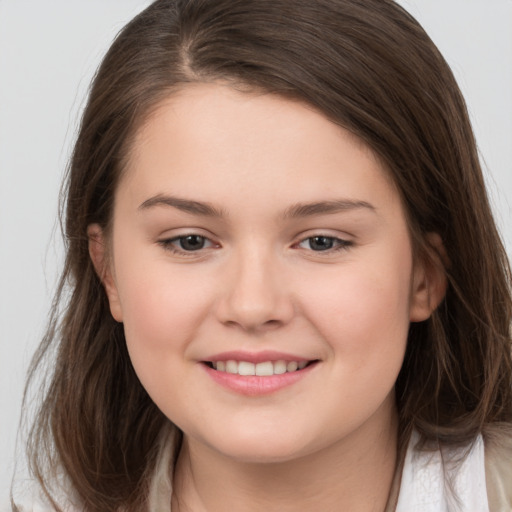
column 435, row 482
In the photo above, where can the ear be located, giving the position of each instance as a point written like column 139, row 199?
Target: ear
column 429, row 281
column 101, row 262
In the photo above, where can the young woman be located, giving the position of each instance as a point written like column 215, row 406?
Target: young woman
column 284, row 289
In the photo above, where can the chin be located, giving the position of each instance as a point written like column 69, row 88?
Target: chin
column 261, row 448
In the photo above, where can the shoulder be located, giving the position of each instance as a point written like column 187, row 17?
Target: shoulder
column 498, row 469
column 435, row 477
column 30, row 505
column 26, row 505
column 479, row 475
column 31, row 499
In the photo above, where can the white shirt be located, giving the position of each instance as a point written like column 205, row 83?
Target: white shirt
column 431, row 480
column 428, row 481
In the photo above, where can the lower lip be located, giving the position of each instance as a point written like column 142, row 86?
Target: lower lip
column 254, row 385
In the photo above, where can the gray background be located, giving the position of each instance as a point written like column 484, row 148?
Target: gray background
column 48, row 53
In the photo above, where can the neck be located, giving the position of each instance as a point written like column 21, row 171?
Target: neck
column 356, row 474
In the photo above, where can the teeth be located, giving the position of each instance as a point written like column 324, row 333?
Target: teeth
column 231, row 366
column 279, row 367
column 245, row 368
column 264, row 369
column 292, row 366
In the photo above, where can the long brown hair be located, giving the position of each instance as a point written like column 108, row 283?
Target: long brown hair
column 368, row 66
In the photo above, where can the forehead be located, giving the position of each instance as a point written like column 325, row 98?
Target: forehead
column 207, row 136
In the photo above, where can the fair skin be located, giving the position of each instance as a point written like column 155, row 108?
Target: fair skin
column 298, row 252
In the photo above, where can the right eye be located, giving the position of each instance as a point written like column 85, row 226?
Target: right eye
column 186, row 243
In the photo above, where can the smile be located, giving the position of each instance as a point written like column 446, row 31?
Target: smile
column 258, row 377
column 263, row 369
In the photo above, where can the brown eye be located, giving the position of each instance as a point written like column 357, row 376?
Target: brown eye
column 321, row 243
column 191, row 242
column 186, row 244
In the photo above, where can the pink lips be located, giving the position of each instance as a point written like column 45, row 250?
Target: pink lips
column 255, row 385
column 255, row 357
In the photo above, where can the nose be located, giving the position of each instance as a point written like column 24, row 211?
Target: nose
column 256, row 293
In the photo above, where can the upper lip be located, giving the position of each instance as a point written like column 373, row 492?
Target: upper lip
column 255, row 357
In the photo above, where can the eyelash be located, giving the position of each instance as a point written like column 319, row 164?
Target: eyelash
column 338, row 244
column 170, row 244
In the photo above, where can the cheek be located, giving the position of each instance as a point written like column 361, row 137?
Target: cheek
column 161, row 314
column 362, row 310
column 366, row 325
column 161, row 309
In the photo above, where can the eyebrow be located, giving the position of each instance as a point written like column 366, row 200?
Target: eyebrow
column 326, row 207
column 295, row 211
column 185, row 205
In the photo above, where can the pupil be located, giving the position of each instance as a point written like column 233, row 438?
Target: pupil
column 192, row 242
column 321, row 243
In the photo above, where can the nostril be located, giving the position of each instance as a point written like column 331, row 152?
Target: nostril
column 254, row 324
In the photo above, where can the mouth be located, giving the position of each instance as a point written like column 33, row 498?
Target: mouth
column 262, row 369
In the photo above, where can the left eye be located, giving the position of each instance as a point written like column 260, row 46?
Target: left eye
column 323, row 243
column 187, row 243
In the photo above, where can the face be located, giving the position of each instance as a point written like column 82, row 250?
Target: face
column 261, row 264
